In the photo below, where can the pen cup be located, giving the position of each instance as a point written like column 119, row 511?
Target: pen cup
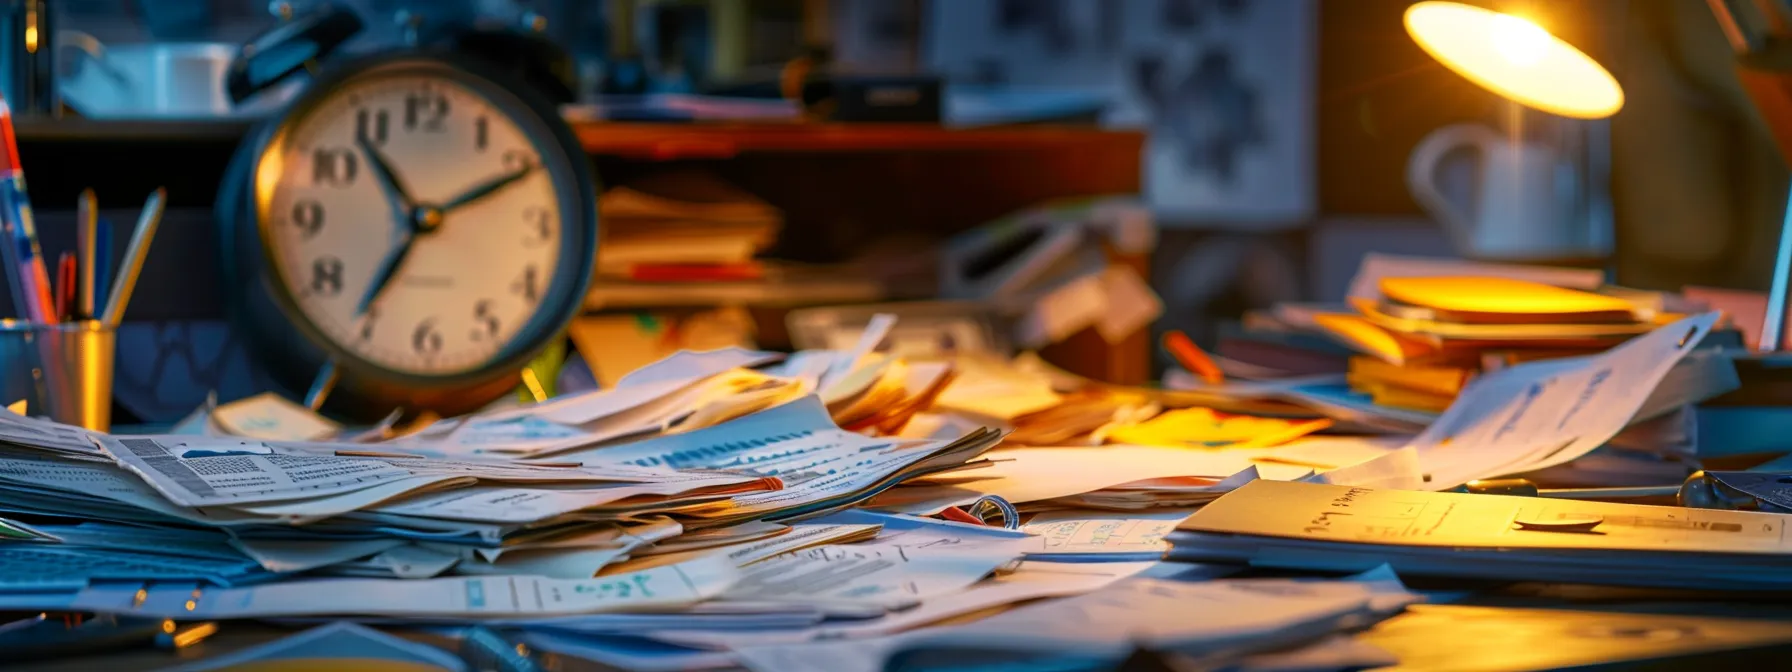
column 74, row 372
column 18, row 364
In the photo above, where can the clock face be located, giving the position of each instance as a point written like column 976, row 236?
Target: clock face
column 413, row 221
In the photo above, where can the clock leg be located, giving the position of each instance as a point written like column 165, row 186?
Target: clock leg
column 321, row 386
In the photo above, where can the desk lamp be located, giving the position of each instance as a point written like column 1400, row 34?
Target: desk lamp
column 1522, row 62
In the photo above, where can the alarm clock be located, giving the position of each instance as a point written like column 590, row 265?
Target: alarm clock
column 409, row 232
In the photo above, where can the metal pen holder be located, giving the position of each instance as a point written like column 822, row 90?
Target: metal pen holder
column 63, row 370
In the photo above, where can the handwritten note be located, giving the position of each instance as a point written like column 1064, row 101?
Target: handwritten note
column 1126, row 536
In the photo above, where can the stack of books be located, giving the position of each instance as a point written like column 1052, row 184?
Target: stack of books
column 1424, row 338
column 684, row 227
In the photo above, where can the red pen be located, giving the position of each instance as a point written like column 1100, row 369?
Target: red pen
column 65, row 288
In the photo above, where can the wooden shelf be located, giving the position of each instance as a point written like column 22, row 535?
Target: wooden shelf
column 228, row 129
column 652, row 141
column 672, row 141
column 614, row 295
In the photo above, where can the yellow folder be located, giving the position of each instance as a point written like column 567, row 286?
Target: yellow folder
column 1474, row 299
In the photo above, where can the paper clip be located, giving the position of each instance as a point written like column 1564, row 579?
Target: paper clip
column 994, row 512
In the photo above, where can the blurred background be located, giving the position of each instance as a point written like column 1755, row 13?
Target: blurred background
column 1271, row 142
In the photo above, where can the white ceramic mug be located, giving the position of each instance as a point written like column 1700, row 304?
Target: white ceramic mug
column 169, row 79
column 1523, row 205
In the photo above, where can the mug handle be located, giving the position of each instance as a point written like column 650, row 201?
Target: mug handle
column 1421, row 176
column 95, row 51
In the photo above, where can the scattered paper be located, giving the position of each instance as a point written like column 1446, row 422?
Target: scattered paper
column 1541, row 414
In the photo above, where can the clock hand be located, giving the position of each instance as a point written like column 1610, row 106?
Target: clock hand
column 388, row 269
column 389, row 183
column 488, row 188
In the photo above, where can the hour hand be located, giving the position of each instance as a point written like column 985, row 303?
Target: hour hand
column 395, row 191
column 488, row 188
column 387, row 270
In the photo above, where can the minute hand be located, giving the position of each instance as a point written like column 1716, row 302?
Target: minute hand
column 488, row 188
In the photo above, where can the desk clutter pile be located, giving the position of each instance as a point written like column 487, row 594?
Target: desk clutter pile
column 829, row 510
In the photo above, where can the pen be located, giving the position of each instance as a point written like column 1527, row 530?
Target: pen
column 1192, row 358
column 86, row 240
column 134, row 254
column 65, row 287
column 24, row 256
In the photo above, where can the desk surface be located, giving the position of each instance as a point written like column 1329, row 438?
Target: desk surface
column 1512, row 627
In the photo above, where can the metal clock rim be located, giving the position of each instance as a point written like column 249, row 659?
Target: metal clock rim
column 573, row 284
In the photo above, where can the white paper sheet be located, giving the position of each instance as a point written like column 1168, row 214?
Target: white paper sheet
column 1109, row 623
column 1542, row 414
column 509, row 504
column 1031, row 581
column 487, row 596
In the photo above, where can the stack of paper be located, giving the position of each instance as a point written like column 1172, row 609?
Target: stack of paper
column 688, row 227
column 1099, row 629
column 705, row 503
column 1339, row 528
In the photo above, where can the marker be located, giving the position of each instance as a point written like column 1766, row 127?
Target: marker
column 24, row 258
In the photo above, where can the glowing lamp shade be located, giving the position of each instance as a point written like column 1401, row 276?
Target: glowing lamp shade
column 1515, row 58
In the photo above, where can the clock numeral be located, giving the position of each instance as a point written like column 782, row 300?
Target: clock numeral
column 428, row 109
column 537, row 218
column 488, row 323
column 480, row 133
column 326, row 276
column 514, row 159
column 335, row 167
column 373, row 313
column 528, row 285
column 372, row 126
column 308, row 216
column 426, row 340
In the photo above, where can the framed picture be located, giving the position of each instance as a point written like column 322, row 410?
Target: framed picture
column 1225, row 89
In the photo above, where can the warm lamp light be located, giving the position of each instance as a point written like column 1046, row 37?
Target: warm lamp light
column 1515, row 58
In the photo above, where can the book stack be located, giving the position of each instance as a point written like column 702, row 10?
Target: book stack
column 1422, row 339
column 684, row 227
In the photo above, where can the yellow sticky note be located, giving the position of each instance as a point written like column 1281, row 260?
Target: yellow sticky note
column 1207, row 428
